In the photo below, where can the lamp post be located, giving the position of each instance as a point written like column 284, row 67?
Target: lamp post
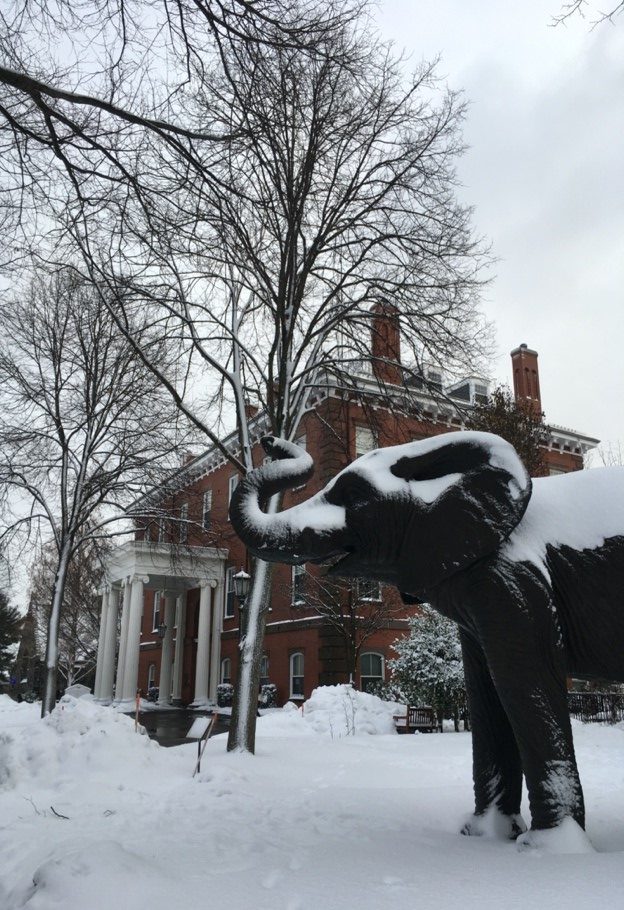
column 242, row 583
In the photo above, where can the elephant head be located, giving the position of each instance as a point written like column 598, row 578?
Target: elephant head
column 410, row 515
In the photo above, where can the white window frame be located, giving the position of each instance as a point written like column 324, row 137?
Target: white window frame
column 372, row 596
column 297, row 598
column 264, row 665
column 184, row 511
column 226, row 664
column 156, row 610
column 229, row 607
column 365, row 440
column 151, row 676
column 206, row 510
column 161, row 530
column 292, row 676
column 232, row 484
column 368, row 676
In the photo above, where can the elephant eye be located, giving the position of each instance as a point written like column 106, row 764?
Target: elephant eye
column 350, row 491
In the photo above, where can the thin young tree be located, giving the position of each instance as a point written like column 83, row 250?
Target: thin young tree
column 79, row 623
column 83, row 429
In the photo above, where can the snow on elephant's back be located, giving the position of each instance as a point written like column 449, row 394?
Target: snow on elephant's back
column 344, row 711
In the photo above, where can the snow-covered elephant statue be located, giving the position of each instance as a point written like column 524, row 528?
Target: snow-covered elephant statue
column 532, row 572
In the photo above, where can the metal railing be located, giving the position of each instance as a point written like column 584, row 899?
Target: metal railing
column 596, row 707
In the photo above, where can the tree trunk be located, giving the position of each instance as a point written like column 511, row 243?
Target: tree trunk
column 51, row 657
column 242, row 735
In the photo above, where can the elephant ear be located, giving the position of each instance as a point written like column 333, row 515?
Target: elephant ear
column 469, row 491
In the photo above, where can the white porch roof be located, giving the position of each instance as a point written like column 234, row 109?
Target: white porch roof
column 167, row 566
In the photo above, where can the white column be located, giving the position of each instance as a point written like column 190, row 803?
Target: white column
column 218, row 607
column 133, row 642
column 164, row 679
column 203, row 646
column 97, row 688
column 123, row 640
column 178, row 664
column 108, row 662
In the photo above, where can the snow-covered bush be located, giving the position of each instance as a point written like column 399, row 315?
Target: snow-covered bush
column 429, row 669
column 268, row 696
column 225, row 695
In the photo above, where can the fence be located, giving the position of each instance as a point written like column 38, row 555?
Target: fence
column 596, row 707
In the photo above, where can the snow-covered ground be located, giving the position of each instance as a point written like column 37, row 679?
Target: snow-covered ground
column 317, row 820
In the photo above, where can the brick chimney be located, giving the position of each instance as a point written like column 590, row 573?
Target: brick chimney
column 526, row 377
column 386, row 344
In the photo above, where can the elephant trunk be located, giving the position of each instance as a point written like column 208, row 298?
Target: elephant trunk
column 294, row 535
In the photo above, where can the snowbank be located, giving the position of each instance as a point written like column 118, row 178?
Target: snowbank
column 334, row 711
column 79, row 733
column 94, row 815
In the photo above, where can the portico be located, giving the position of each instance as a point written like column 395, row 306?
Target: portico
column 140, row 566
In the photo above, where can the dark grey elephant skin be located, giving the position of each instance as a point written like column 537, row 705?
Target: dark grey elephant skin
column 532, row 572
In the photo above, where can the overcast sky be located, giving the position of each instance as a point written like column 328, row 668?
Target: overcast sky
column 545, row 173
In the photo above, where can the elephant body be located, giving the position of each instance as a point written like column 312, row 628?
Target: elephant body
column 531, row 571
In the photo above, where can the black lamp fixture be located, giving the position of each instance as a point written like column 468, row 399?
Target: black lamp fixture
column 161, row 630
column 242, row 583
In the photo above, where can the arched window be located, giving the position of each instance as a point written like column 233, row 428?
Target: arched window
column 264, row 670
column 296, row 675
column 151, row 676
column 226, row 670
column 371, row 670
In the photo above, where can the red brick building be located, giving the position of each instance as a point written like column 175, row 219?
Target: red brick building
column 179, row 573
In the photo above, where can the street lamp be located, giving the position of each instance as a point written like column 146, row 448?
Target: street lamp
column 242, row 583
column 161, row 630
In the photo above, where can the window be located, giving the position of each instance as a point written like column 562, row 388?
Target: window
column 435, row 379
column 298, row 586
column 151, row 676
column 368, row 589
column 184, row 523
column 296, row 675
column 481, row 393
column 264, row 671
column 229, row 592
column 161, row 530
column 206, row 509
column 364, row 441
column 371, row 670
column 232, row 484
column 156, row 612
column 226, row 670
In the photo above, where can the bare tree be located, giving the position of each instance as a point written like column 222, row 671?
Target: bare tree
column 588, row 10
column 353, row 611
column 83, row 428
column 335, row 196
column 79, row 622
column 314, row 184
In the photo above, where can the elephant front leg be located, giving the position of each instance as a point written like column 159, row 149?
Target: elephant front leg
column 496, row 765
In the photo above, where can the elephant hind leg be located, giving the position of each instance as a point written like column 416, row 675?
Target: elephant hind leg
column 496, row 764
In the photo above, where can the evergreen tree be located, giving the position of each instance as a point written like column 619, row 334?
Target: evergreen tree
column 10, row 625
column 429, row 668
column 517, row 422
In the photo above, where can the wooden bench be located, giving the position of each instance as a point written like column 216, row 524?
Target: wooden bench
column 423, row 720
